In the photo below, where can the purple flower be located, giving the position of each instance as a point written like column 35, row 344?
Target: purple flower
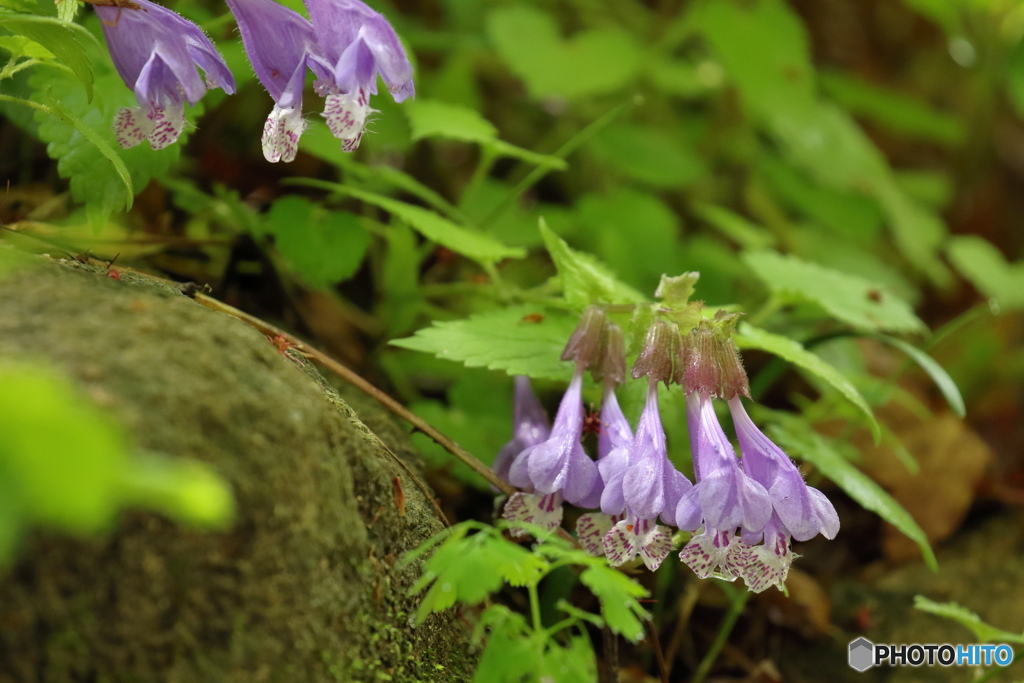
column 358, row 44
column 723, row 500
column 156, row 52
column 798, row 510
column 530, row 426
column 559, row 463
column 647, row 488
column 281, row 45
column 542, row 509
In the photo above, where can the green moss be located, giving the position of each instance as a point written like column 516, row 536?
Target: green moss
column 303, row 588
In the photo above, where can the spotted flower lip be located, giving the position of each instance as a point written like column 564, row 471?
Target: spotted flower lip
column 530, row 426
column 559, row 463
column 158, row 54
column 281, row 45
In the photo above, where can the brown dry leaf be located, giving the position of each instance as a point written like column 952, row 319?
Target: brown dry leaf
column 953, row 459
column 806, row 610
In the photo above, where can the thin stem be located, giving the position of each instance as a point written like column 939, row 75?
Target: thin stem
column 538, row 627
column 561, row 153
column 739, row 601
column 658, row 654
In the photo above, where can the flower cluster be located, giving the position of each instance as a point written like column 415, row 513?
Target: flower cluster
column 346, row 46
column 744, row 512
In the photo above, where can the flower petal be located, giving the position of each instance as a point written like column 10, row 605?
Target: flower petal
column 281, row 134
column 533, row 508
column 132, row 126
column 591, row 528
column 168, row 124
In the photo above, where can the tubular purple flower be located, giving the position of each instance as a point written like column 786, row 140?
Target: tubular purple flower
column 157, row 52
column 530, row 426
column 559, row 463
column 803, row 511
column 358, row 44
column 723, row 499
column 652, row 486
column 281, row 45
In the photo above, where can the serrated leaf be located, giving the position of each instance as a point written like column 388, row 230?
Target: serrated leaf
column 475, row 245
column 985, row 266
column 799, row 439
column 325, row 247
column 968, row 619
column 510, row 654
column 848, row 298
column 574, row 662
column 430, row 118
column 584, row 279
column 62, row 38
column 750, row 337
column 512, row 339
column 618, row 595
column 938, row 374
column 591, row 62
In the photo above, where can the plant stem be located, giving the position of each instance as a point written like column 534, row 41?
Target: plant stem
column 738, row 602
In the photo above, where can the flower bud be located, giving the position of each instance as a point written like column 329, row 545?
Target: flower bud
column 584, row 346
column 711, row 364
column 660, row 347
column 611, row 366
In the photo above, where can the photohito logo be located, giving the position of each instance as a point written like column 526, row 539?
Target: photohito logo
column 864, row 654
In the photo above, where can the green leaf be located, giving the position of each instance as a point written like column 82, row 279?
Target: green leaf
column 986, row 267
column 574, row 662
column 619, row 596
column 584, row 279
column 750, row 337
column 325, row 247
column 592, row 62
column 468, row 568
column 892, row 109
column 469, row 243
column 969, row 620
column 797, row 437
column 648, row 155
column 938, row 374
column 737, row 228
column 62, row 38
column 430, row 118
column 511, row 339
column 510, row 654
column 764, row 48
column 848, row 298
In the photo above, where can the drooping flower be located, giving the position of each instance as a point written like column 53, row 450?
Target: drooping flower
column 613, row 443
column 648, row 488
column 559, row 464
column 530, row 426
column 358, row 44
column 723, row 500
column 281, row 45
column 156, row 52
column 799, row 511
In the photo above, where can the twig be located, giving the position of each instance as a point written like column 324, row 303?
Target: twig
column 658, row 654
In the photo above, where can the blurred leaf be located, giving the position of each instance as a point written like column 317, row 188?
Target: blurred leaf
column 938, row 374
column 511, row 339
column 574, row 662
column 619, row 596
column 845, row 297
column 430, row 118
column 737, row 228
column 61, row 38
column 591, row 62
column 897, row 112
column 685, row 79
column 324, row 247
column 611, row 219
column 584, row 279
column 798, row 438
column 969, row 620
column 764, row 49
column 475, row 245
column 647, row 154
column 750, row 337
column 985, row 266
column 65, row 464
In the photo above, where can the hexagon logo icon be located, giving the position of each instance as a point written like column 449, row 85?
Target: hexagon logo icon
column 862, row 654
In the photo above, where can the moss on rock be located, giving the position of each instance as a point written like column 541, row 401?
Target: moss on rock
column 304, row 587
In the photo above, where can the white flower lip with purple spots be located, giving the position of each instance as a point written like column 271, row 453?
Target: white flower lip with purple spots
column 158, row 54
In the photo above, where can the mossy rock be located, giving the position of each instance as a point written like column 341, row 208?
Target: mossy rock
column 305, row 585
